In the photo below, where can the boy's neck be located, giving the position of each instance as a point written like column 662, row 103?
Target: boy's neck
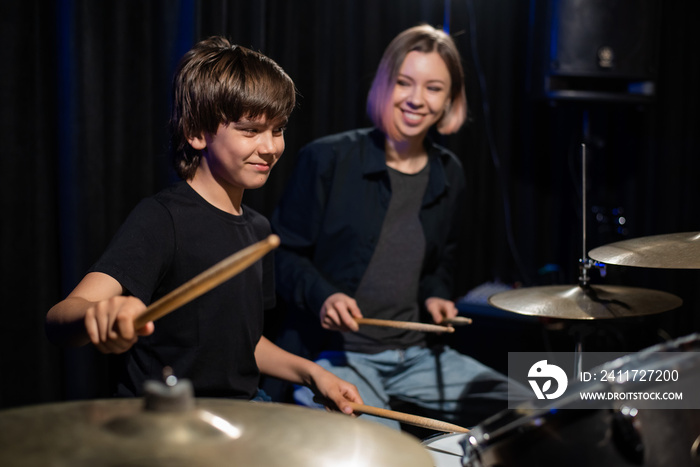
column 216, row 194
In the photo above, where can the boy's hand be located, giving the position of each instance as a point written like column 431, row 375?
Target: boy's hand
column 110, row 324
column 334, row 392
column 439, row 309
column 338, row 313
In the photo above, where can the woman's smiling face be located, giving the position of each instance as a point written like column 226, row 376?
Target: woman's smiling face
column 421, row 93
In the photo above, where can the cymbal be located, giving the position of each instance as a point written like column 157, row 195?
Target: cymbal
column 591, row 302
column 670, row 251
column 214, row 432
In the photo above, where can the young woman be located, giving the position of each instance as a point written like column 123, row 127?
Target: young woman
column 369, row 225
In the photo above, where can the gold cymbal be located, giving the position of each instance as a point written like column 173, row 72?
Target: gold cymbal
column 592, row 302
column 215, row 432
column 670, row 251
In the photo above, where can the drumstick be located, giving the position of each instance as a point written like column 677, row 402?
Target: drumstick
column 404, row 325
column 407, row 418
column 456, row 321
column 207, row 280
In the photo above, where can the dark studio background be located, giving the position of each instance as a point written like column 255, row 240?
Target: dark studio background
column 85, row 92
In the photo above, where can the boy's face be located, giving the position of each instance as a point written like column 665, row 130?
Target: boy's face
column 241, row 154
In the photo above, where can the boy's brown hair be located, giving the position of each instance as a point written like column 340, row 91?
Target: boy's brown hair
column 218, row 83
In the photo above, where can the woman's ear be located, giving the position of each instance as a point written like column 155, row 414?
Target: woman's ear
column 445, row 114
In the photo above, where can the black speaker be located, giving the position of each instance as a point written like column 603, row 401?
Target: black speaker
column 594, row 49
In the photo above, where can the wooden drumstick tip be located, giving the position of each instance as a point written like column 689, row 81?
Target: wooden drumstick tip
column 457, row 321
column 273, row 240
column 410, row 419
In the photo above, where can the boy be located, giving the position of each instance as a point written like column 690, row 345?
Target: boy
column 230, row 106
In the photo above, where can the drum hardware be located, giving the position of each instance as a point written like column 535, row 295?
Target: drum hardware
column 556, row 433
column 695, row 450
column 547, row 434
column 584, row 301
column 626, row 436
column 575, row 302
column 669, row 251
column 169, row 427
column 446, row 449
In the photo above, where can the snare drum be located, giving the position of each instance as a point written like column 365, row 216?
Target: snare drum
column 446, row 449
column 620, row 435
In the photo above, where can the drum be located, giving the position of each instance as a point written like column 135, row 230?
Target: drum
column 619, row 435
column 446, row 449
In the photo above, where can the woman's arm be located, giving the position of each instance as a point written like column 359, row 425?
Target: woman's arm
column 298, row 220
column 445, row 230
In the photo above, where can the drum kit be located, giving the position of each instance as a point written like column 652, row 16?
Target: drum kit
column 548, row 435
column 170, row 427
column 621, row 434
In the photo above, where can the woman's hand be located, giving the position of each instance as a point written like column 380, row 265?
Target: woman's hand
column 338, row 313
column 439, row 309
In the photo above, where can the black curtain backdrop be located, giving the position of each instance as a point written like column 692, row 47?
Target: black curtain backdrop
column 85, row 98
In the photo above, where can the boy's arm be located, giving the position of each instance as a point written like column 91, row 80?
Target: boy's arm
column 274, row 361
column 96, row 311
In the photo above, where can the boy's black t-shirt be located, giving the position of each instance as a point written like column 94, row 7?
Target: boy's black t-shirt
column 168, row 239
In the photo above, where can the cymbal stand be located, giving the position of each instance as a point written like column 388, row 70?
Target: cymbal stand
column 584, row 264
